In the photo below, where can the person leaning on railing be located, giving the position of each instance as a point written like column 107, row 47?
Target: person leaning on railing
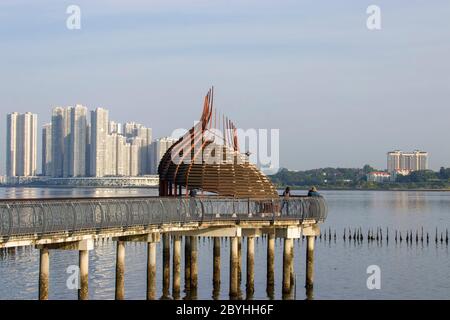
column 313, row 192
column 286, row 195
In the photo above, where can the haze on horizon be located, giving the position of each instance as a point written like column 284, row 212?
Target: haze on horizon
column 341, row 95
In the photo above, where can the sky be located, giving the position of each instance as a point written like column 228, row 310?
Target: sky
column 340, row 94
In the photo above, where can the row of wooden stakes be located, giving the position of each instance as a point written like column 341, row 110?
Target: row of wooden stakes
column 357, row 234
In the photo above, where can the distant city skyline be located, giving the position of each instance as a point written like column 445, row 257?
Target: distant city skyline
column 76, row 137
column 341, row 95
column 75, row 145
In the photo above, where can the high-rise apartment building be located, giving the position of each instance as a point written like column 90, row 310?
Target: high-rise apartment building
column 21, row 144
column 77, row 141
column 99, row 137
column 140, row 137
column 157, row 150
column 47, row 149
column 407, row 161
column 76, row 148
column 58, row 135
column 69, row 141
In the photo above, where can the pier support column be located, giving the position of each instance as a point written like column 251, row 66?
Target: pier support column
column 151, row 270
column 310, row 232
column 83, row 247
column 270, row 264
column 166, row 266
column 151, row 239
column 44, row 269
column 120, row 271
column 250, row 267
column 310, row 262
column 234, row 265
column 176, row 267
column 194, row 267
column 83, row 292
column 216, row 268
column 187, row 265
column 287, row 265
column 239, row 261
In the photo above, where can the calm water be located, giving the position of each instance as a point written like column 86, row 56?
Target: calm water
column 408, row 271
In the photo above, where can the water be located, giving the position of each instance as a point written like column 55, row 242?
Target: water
column 408, row 271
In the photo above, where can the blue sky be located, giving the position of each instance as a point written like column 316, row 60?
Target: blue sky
column 340, row 94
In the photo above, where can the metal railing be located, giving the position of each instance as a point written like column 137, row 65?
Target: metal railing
column 47, row 216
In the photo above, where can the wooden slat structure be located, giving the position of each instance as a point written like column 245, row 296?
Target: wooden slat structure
column 207, row 158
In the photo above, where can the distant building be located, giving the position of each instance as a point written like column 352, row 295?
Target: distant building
column 77, row 141
column 379, row 176
column 140, row 137
column 99, row 143
column 406, row 162
column 58, row 137
column 47, row 149
column 157, row 150
column 69, row 137
column 72, row 147
column 21, row 144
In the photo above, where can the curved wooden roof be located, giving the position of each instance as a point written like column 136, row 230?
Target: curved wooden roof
column 208, row 159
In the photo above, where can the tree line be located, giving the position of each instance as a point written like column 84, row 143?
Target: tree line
column 356, row 178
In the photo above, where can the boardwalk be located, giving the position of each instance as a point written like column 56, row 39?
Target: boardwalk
column 74, row 224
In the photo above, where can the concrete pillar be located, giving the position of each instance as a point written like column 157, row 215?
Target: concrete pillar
column 44, row 269
column 166, row 265
column 239, row 260
column 187, row 265
column 310, row 261
column 216, row 263
column 287, row 262
column 176, row 281
column 194, row 267
column 83, row 292
column 120, row 270
column 151, row 270
column 270, row 264
column 292, row 264
column 234, row 265
column 250, row 267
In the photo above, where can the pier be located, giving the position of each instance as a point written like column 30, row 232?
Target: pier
column 50, row 225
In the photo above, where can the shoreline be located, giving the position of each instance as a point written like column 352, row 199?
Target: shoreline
column 360, row 189
column 279, row 188
column 78, row 187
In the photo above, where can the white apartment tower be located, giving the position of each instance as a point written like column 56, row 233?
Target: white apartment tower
column 99, row 134
column 21, row 144
column 77, row 141
column 69, row 139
